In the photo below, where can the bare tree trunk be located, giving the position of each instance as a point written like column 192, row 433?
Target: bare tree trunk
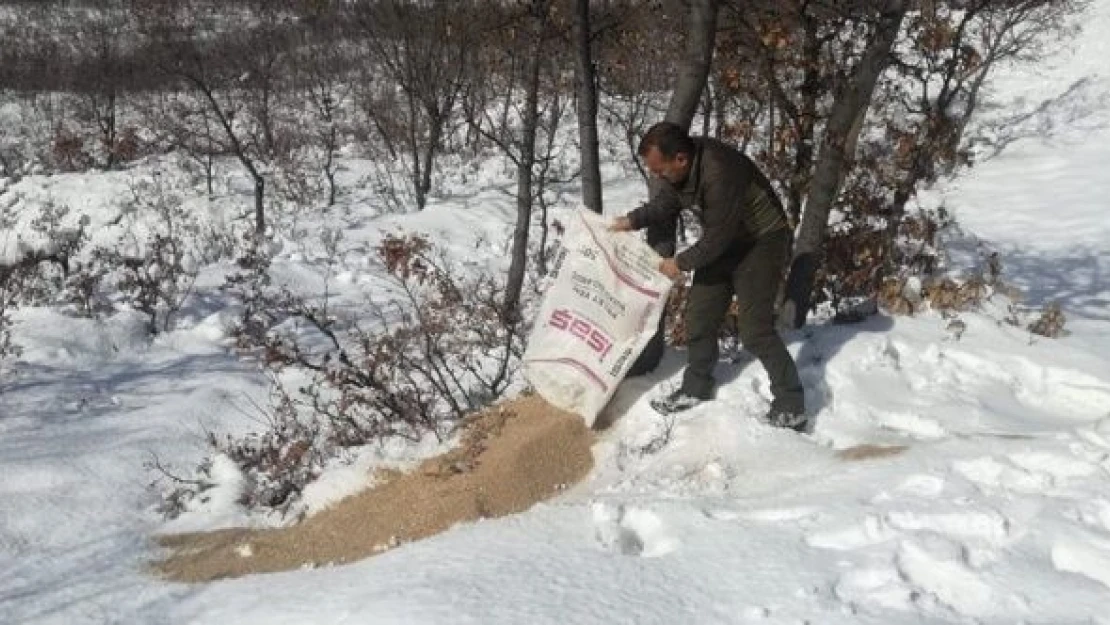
column 323, row 99
column 973, row 97
column 415, row 152
column 107, row 119
column 850, row 102
column 589, row 144
column 259, row 207
column 556, row 113
column 771, row 110
column 524, row 167
column 701, row 34
column 329, row 166
column 430, row 150
column 719, row 111
column 811, row 90
column 684, row 104
column 6, row 168
column 240, row 152
column 265, row 110
column 707, row 109
column 205, row 155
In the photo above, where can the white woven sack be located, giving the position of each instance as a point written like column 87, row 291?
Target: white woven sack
column 596, row 317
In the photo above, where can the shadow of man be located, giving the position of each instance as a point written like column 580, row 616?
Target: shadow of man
column 820, row 344
column 632, row 388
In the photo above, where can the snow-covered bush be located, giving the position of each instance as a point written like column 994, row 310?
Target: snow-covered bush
column 154, row 282
column 272, row 466
column 251, row 286
column 39, row 271
column 34, row 272
column 1050, row 323
column 154, row 266
column 412, row 366
column 150, row 268
column 414, row 363
column 8, row 297
column 50, row 255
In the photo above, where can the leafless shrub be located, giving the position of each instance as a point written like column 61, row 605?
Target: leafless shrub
column 18, row 284
column 68, row 151
column 433, row 355
column 84, row 290
column 415, row 365
column 9, row 300
column 36, row 272
column 276, row 463
column 906, row 297
column 281, row 460
column 424, row 57
column 45, row 263
column 1051, row 322
column 184, row 490
column 154, row 273
column 156, row 282
column 251, row 286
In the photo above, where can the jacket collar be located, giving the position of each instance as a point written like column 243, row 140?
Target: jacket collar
column 693, row 177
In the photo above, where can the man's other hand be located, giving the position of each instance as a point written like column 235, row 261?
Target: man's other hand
column 621, row 224
column 670, row 269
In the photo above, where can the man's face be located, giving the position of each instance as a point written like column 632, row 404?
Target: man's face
column 673, row 170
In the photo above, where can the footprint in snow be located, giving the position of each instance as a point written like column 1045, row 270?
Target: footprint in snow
column 920, row 577
column 980, row 528
column 949, row 582
column 1032, row 472
column 1061, row 390
column 1094, row 514
column 781, row 515
column 911, row 424
column 876, row 586
column 1083, row 555
column 921, row 486
column 990, row 473
column 1058, row 466
column 873, row 530
column 631, row 531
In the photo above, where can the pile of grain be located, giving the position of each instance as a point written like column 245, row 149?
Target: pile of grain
column 512, row 456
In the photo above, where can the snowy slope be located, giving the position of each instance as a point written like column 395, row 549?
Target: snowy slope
column 997, row 510
column 1043, row 194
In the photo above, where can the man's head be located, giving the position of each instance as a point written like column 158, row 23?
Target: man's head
column 667, row 152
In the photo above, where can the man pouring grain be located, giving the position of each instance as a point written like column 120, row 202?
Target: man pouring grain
column 744, row 244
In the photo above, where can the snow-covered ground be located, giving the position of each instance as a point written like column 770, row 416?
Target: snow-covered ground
column 997, row 510
column 1041, row 195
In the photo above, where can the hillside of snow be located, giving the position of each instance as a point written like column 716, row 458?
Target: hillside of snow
column 989, row 501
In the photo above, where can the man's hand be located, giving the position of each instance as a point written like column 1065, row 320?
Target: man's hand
column 670, row 269
column 621, row 224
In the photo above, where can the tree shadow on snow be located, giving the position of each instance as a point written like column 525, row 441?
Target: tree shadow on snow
column 58, row 393
column 1076, row 279
column 820, row 345
column 1079, row 105
column 632, row 389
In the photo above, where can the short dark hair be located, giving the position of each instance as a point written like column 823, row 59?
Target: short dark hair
column 670, row 139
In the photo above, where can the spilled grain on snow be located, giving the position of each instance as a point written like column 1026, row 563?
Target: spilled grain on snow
column 512, row 456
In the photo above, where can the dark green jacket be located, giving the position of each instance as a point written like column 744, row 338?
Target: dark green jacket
column 730, row 196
